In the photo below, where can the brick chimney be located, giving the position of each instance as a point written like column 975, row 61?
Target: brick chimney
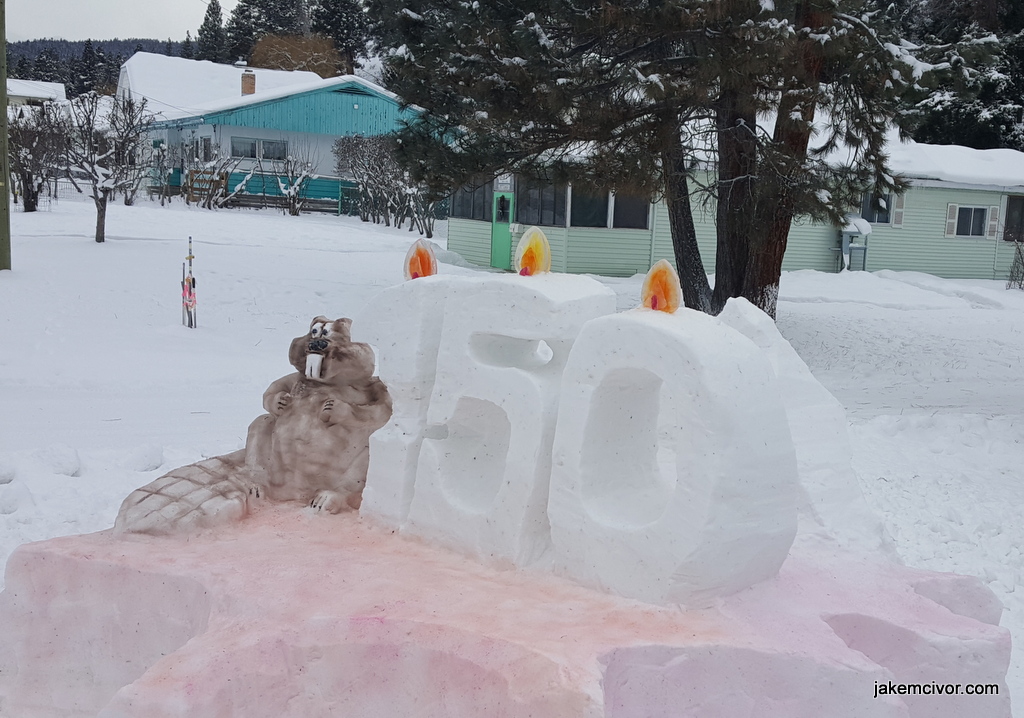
column 248, row 82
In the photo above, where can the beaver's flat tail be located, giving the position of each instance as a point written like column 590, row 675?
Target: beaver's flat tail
column 208, row 493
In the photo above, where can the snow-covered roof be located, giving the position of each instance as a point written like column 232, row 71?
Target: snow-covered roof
column 36, row 90
column 176, row 87
column 955, row 164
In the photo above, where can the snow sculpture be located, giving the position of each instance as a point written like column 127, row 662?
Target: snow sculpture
column 311, row 446
column 465, row 458
column 830, row 503
column 674, row 476
column 407, row 342
column 482, row 476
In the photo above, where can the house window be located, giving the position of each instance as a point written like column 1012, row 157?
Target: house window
column 473, row 202
column 631, row 211
column 274, row 149
column 589, row 209
column 971, row 221
column 1014, row 230
column 540, row 204
column 243, row 147
column 875, row 208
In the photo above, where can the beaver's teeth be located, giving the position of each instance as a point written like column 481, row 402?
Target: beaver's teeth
column 313, row 365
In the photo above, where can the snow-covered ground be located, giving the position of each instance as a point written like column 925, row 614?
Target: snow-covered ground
column 102, row 389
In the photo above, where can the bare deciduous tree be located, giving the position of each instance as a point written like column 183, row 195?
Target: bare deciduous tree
column 386, row 191
column 293, row 175
column 36, row 144
column 314, row 53
column 106, row 140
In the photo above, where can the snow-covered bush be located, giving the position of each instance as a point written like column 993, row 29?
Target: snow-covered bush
column 387, row 192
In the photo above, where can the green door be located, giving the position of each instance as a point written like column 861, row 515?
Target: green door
column 501, row 237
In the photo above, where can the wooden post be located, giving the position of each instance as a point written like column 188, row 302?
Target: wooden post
column 5, row 174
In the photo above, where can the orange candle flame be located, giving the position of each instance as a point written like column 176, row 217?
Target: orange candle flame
column 533, row 253
column 661, row 290
column 420, row 260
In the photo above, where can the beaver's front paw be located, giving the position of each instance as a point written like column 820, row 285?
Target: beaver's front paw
column 283, row 400
column 330, row 501
column 335, row 412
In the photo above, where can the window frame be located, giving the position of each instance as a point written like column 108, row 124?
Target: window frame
column 585, row 196
column 479, row 197
column 989, row 224
column 871, row 211
column 551, row 199
column 630, row 198
column 263, row 150
column 258, row 145
column 255, row 148
column 1013, row 228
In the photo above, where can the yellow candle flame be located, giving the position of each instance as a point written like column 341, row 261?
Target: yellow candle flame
column 420, row 260
column 533, row 253
column 661, row 290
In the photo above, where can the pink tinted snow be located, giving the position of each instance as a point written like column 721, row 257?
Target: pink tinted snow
column 295, row 614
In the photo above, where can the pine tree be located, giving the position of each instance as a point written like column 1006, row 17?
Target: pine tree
column 48, row 67
column 285, row 17
column 169, row 48
column 211, row 41
column 254, row 19
column 626, row 95
column 244, row 28
column 23, row 69
column 980, row 109
column 346, row 23
column 187, row 51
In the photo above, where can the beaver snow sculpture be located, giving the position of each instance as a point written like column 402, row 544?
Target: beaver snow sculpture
column 311, row 446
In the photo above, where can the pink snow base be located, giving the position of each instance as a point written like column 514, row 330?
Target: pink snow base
column 290, row 614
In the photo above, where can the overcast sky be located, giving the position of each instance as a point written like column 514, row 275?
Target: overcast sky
column 106, row 19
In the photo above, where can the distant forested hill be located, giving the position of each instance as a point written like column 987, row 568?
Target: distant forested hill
column 82, row 65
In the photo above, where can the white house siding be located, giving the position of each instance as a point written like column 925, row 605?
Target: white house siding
column 472, row 239
column 921, row 245
column 918, row 245
column 558, row 238
column 613, row 253
column 317, row 148
column 811, row 246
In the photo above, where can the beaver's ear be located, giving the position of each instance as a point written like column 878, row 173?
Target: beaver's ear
column 343, row 328
column 319, row 320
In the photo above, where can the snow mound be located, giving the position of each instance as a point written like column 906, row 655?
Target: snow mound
column 7, row 471
column 15, row 496
column 145, row 458
column 60, row 459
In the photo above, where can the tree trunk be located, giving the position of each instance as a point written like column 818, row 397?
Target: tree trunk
column 777, row 207
column 737, row 169
column 692, row 277
column 29, row 193
column 101, row 215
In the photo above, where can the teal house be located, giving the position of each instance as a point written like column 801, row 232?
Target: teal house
column 251, row 122
column 961, row 218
